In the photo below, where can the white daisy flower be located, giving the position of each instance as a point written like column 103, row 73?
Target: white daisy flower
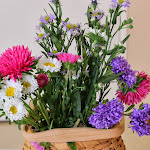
column 14, row 109
column 51, row 64
column 11, row 89
column 29, row 84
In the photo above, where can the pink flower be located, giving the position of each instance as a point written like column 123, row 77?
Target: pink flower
column 15, row 61
column 37, row 146
column 42, row 80
column 67, row 57
column 141, row 92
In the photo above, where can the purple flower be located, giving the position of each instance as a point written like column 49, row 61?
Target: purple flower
column 41, row 36
column 97, row 14
column 94, row 1
column 140, row 120
column 47, row 19
column 119, row 65
column 107, row 115
column 54, row 53
column 37, row 146
column 121, row 3
column 75, row 29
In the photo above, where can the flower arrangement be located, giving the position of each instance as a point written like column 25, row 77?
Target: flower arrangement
column 63, row 87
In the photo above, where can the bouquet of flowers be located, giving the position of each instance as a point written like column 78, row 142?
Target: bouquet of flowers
column 63, row 87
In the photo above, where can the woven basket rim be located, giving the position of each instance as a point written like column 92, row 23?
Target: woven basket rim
column 74, row 134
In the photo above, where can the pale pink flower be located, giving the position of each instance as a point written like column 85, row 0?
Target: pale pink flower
column 141, row 92
column 37, row 146
column 67, row 57
column 13, row 62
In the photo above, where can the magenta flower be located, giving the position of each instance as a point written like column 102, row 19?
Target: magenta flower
column 67, row 57
column 16, row 61
column 141, row 92
column 37, row 146
column 42, row 80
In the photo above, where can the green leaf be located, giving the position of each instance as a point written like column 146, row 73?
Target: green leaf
column 45, row 54
column 76, row 100
column 3, row 114
column 126, row 38
column 129, row 108
column 141, row 106
column 107, row 79
column 72, row 145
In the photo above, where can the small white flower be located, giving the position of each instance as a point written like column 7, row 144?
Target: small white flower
column 51, row 64
column 29, row 84
column 11, row 89
column 14, row 109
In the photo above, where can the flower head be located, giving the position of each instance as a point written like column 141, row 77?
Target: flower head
column 119, row 65
column 124, row 3
column 67, row 57
column 49, row 64
column 29, row 84
column 37, row 146
column 42, row 80
column 97, row 14
column 141, row 92
column 47, row 19
column 75, row 29
column 94, row 1
column 107, row 115
column 41, row 36
column 140, row 120
column 16, row 61
column 14, row 109
column 11, row 89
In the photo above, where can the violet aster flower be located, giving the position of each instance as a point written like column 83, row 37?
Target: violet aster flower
column 97, row 14
column 140, row 120
column 75, row 29
column 107, row 115
column 119, row 65
column 41, row 36
column 47, row 19
column 54, row 53
column 124, row 3
column 94, row 1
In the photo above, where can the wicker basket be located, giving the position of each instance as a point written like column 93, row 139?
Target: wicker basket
column 85, row 138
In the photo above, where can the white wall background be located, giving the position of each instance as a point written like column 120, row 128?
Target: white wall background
column 19, row 18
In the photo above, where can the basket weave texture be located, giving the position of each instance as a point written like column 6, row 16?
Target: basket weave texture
column 109, row 144
column 84, row 138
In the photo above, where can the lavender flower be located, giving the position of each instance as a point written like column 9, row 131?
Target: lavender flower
column 38, row 27
column 107, row 115
column 41, row 36
column 54, row 53
column 75, row 29
column 119, row 65
column 140, row 120
column 121, row 3
column 97, row 14
column 47, row 19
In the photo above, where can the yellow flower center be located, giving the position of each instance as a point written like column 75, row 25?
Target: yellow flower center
column 13, row 109
column 95, row 14
column 10, row 91
column 121, row 1
column 55, row 52
column 26, row 84
column 49, row 64
column 47, row 18
column 41, row 35
column 91, row 10
column 148, row 121
column 76, row 26
column 69, row 26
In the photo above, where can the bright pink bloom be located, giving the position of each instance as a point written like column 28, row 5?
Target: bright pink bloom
column 42, row 80
column 37, row 146
column 67, row 57
column 15, row 61
column 141, row 92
